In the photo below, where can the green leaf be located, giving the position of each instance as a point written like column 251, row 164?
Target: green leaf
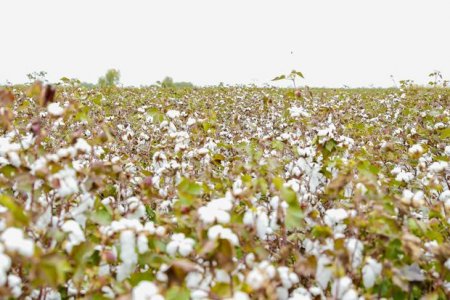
column 97, row 99
column 65, row 79
column 445, row 133
column 52, row 270
column 296, row 73
column 15, row 210
column 189, row 187
column 281, row 77
column 294, row 214
column 178, row 293
column 101, row 216
column 188, row 191
column 330, row 145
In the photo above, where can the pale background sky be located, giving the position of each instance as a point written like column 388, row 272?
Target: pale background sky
column 334, row 43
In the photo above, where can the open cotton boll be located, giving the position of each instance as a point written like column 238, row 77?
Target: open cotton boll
column 334, row 216
column 128, row 254
column 323, row 271
column 173, row 114
column 5, row 265
column 239, row 296
column 404, row 176
column 288, row 278
column 298, row 112
column 342, row 289
column 444, row 196
column 142, row 243
column 179, row 243
column 261, row 274
column 14, row 159
column 217, row 231
column 55, row 109
column 255, row 279
column 15, row 242
column 371, row 271
column 260, row 220
column 146, row 290
column 15, row 284
column 355, row 249
column 418, row 199
column 191, row 121
column 83, row 146
column 407, row 196
column 300, row 294
column 216, row 211
column 438, row 167
column 68, row 183
column 416, row 149
column 262, row 225
column 447, row 150
column 76, row 235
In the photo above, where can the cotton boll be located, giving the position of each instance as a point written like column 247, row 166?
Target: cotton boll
column 323, row 271
column 298, row 112
column 447, row 150
column 371, row 271
column 415, row 150
column 160, row 231
column 282, row 293
column 14, row 159
column 288, row 278
column 142, row 243
column 216, row 211
column 128, row 254
column 222, row 276
column 418, row 199
column 438, row 167
column 248, row 218
column 5, row 265
column 334, row 216
column 407, row 196
column 239, row 296
column 82, row 146
column 355, row 249
column 76, row 235
column 14, row 241
column 191, row 121
column 444, row 196
column 255, row 279
column 173, row 114
column 68, row 184
column 404, row 176
column 55, row 109
column 262, row 225
column 341, row 287
column 218, row 231
column 179, row 243
column 146, row 290
column 15, row 284
column 300, row 294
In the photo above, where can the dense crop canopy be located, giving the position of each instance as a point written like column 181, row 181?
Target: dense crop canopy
column 224, row 193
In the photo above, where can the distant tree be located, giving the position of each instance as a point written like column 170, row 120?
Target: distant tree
column 37, row 76
column 111, row 78
column 169, row 83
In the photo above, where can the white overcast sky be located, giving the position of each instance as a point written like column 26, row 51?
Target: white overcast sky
column 334, row 43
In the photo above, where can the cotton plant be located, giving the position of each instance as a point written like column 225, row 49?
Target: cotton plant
column 217, row 210
column 180, row 244
column 227, row 193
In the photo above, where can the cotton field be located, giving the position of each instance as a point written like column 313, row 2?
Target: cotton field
column 224, row 193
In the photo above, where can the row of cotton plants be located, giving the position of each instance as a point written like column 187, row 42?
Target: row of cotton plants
column 224, row 193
